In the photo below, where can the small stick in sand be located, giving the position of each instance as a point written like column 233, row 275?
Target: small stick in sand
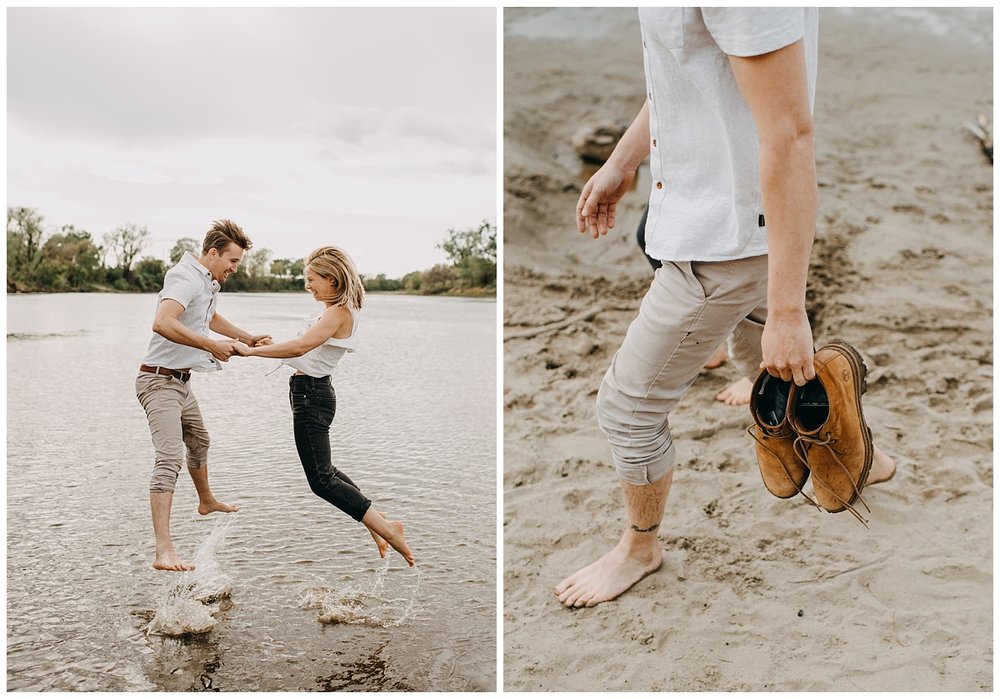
column 532, row 332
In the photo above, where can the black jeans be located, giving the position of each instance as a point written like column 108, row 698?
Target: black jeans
column 313, row 407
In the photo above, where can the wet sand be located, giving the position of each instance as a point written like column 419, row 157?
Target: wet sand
column 758, row 593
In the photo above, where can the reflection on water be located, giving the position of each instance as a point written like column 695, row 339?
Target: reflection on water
column 415, row 428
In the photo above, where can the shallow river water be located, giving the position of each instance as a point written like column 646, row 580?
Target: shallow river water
column 289, row 593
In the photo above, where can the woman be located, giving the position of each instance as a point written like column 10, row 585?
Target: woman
column 333, row 280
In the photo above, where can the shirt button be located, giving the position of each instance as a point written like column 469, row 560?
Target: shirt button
column 659, row 185
column 654, row 143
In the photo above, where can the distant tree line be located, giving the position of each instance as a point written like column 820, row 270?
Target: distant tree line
column 72, row 260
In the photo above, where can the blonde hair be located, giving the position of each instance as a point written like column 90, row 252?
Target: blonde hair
column 332, row 263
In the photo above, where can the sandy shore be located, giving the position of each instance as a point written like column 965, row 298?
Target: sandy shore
column 758, row 593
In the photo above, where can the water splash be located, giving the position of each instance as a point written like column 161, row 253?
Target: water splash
column 367, row 603
column 188, row 603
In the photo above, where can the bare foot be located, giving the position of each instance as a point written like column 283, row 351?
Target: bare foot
column 718, row 359
column 398, row 542
column 737, row 393
column 883, row 468
column 214, row 505
column 382, row 544
column 608, row 576
column 170, row 561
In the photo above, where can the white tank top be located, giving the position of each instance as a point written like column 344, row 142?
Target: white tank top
column 321, row 361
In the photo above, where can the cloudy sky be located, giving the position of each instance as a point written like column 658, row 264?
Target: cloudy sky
column 373, row 129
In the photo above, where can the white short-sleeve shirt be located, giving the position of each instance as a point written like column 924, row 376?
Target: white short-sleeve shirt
column 705, row 201
column 190, row 284
column 321, row 361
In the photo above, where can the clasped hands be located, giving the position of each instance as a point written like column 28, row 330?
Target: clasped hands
column 224, row 349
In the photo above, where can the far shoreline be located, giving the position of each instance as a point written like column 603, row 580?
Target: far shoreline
column 467, row 293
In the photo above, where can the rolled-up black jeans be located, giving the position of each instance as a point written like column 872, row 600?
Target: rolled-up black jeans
column 314, row 404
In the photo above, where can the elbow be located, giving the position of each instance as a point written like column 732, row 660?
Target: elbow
column 793, row 137
column 297, row 349
column 157, row 327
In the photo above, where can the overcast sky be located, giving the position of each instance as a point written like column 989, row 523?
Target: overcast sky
column 372, row 129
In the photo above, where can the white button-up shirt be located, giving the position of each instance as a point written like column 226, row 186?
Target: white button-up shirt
column 705, row 201
column 190, row 284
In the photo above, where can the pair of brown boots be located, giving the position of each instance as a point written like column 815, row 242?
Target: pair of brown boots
column 817, row 429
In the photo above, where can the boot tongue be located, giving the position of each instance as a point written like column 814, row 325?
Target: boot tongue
column 812, row 407
column 772, row 400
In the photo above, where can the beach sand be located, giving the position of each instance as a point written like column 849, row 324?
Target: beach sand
column 758, row 593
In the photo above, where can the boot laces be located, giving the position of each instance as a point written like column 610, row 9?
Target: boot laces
column 802, row 445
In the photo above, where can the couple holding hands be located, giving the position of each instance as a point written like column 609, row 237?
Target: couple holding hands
column 185, row 313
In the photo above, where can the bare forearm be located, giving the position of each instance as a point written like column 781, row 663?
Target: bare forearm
column 280, row 350
column 788, row 188
column 175, row 331
column 224, row 327
column 633, row 147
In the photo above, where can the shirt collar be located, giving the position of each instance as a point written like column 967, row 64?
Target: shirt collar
column 192, row 261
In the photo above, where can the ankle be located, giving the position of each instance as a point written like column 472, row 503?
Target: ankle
column 643, row 546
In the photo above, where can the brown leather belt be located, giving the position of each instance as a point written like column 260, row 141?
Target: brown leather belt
column 182, row 375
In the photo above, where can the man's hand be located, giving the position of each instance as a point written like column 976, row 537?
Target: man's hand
column 595, row 210
column 787, row 346
column 221, row 349
column 259, row 340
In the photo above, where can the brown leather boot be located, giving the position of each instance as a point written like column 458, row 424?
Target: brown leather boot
column 832, row 435
column 781, row 469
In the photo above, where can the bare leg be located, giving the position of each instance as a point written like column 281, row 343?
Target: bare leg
column 206, row 501
column 391, row 531
column 883, row 467
column 382, row 544
column 737, row 393
column 636, row 555
column 718, row 359
column 166, row 557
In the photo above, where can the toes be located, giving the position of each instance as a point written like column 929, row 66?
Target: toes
column 565, row 595
column 563, row 586
column 574, row 597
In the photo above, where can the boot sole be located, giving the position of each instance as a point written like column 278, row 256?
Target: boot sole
column 860, row 388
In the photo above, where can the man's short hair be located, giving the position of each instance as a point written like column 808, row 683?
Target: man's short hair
column 221, row 234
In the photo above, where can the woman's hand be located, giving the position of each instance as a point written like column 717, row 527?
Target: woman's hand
column 242, row 349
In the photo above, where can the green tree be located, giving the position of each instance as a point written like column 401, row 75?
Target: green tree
column 279, row 268
column 411, row 281
column 24, row 243
column 182, row 246
column 473, row 254
column 149, row 273
column 257, row 263
column 380, row 283
column 69, row 259
column 438, row 279
column 126, row 242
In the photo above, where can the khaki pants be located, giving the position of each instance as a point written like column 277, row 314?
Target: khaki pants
column 176, row 427
column 689, row 310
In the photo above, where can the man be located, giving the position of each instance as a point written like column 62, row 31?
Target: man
column 728, row 128
column 736, row 393
column 185, row 313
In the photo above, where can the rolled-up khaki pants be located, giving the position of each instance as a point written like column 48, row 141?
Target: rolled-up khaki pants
column 175, row 425
column 689, row 310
